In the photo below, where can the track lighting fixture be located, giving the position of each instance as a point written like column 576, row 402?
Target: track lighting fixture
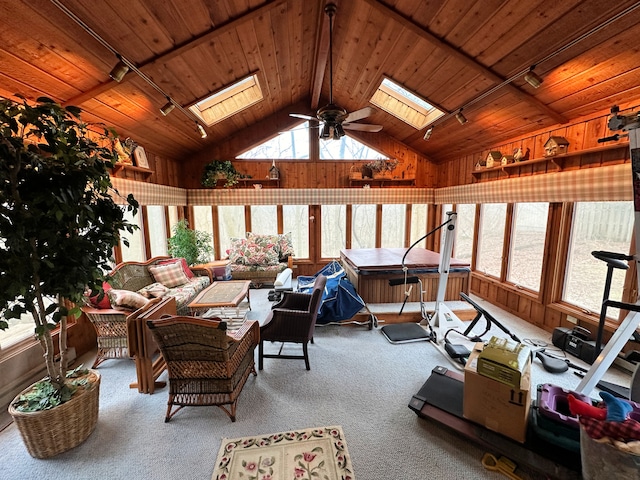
column 461, row 118
column 167, row 107
column 428, row 133
column 201, row 130
column 118, row 72
column 532, row 78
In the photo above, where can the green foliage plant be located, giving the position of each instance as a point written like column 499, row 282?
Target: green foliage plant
column 58, row 224
column 194, row 246
column 217, row 170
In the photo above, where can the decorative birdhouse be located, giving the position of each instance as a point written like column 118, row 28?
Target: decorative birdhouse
column 506, row 160
column 274, row 173
column 555, row 146
column 493, row 159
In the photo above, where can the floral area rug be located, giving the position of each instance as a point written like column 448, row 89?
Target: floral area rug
column 315, row 453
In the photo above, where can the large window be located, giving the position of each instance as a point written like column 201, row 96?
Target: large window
column 465, row 222
column 491, row 238
column 334, row 224
column 296, row 220
column 527, row 244
column 135, row 251
column 264, row 219
column 363, row 226
column 393, row 221
column 203, row 220
column 157, row 230
column 603, row 226
column 419, row 214
column 231, row 225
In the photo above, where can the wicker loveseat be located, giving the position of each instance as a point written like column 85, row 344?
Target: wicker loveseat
column 260, row 257
column 110, row 314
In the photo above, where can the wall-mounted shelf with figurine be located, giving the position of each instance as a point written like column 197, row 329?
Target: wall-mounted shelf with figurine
column 556, row 160
column 124, row 170
column 382, row 182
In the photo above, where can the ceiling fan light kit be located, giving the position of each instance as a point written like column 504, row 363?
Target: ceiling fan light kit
column 334, row 120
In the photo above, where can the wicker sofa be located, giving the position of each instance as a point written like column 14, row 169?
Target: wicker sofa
column 111, row 314
column 260, row 257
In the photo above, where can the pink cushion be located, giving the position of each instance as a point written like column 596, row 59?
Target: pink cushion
column 170, row 275
column 246, row 252
column 183, row 262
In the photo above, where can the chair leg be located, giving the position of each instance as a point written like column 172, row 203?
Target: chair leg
column 306, row 355
column 260, row 352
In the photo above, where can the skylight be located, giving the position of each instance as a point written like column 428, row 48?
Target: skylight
column 228, row 101
column 406, row 105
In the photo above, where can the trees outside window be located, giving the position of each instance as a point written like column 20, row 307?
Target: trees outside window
column 527, row 244
column 491, row 238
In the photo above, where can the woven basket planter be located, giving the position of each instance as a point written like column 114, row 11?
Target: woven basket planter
column 51, row 432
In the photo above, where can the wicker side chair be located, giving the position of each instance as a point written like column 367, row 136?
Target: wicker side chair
column 206, row 365
column 292, row 320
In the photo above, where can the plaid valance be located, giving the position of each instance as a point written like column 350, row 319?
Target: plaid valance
column 587, row 185
column 611, row 183
column 310, row 196
column 149, row 193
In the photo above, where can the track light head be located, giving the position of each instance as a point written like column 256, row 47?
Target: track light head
column 167, row 108
column 201, row 130
column 118, row 72
column 532, row 78
column 428, row 133
column 461, row 118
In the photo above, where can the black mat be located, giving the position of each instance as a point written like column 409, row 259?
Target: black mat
column 405, row 332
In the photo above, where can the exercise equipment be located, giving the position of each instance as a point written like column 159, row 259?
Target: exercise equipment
column 631, row 125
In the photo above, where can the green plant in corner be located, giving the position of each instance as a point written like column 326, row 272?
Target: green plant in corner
column 221, row 170
column 58, row 226
column 194, row 246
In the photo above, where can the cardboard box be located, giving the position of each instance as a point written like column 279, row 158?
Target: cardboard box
column 504, row 360
column 495, row 405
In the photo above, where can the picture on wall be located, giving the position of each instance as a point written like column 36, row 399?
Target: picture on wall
column 141, row 157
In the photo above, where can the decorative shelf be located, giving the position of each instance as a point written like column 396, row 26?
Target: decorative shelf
column 382, row 182
column 122, row 168
column 265, row 182
column 555, row 160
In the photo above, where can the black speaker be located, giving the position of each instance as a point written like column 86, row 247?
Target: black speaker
column 576, row 342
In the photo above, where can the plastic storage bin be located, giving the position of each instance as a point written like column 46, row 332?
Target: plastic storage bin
column 603, row 461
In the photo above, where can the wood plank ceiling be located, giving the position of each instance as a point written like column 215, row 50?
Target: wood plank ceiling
column 453, row 53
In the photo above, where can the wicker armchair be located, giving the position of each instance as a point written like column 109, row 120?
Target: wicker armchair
column 206, row 365
column 292, row 320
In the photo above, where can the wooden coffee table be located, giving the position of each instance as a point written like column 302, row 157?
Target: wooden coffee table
column 225, row 300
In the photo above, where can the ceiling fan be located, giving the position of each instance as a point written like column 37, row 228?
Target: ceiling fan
column 334, row 119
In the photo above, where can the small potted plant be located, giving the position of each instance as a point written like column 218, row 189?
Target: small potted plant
column 221, row 170
column 192, row 245
column 58, row 225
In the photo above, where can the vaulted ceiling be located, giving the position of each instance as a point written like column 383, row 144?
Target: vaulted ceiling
column 453, row 53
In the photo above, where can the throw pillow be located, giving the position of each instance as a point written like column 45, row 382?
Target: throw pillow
column 183, row 262
column 170, row 275
column 246, row 252
column 102, row 303
column 126, row 299
column 155, row 290
column 286, row 246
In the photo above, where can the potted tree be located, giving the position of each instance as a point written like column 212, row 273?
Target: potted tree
column 58, row 225
column 192, row 245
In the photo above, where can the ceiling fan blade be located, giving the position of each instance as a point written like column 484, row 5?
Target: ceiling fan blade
column 300, row 115
column 362, row 127
column 360, row 114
